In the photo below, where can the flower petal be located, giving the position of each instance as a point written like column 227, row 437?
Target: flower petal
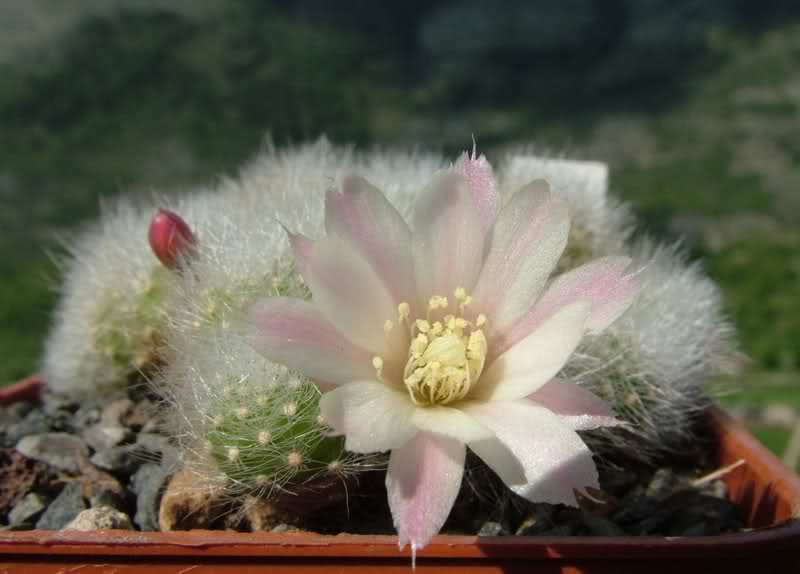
column 362, row 217
column 526, row 243
column 553, row 456
column 294, row 333
column 578, row 408
column 302, row 248
column 350, row 294
column 501, row 460
column 372, row 416
column 448, row 237
column 536, row 359
column 604, row 283
column 423, row 481
column 482, row 186
column 450, row 422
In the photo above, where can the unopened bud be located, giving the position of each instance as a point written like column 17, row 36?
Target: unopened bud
column 170, row 237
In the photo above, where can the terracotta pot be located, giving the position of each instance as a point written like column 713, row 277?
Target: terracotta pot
column 767, row 491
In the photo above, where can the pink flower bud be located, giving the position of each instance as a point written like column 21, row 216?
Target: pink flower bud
column 170, row 238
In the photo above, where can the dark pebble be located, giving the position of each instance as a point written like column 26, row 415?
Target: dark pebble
column 27, row 511
column 618, row 482
column 14, row 430
column 119, row 460
column 695, row 509
column 18, row 410
column 634, row 509
column 101, row 437
column 66, row 506
column 147, row 485
column 101, row 488
column 61, row 450
column 601, row 526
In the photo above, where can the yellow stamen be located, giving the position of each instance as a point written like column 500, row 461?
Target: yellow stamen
column 446, row 358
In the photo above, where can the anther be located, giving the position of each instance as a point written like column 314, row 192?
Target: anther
column 403, row 310
column 377, row 362
column 388, row 325
column 480, row 321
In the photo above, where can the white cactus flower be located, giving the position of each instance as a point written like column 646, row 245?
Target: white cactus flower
column 446, row 335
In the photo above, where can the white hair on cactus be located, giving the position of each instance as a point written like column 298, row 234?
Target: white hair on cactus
column 601, row 225
column 653, row 364
column 107, row 324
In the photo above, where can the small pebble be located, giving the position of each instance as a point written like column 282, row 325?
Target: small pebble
column 14, row 430
column 118, row 459
column 60, row 450
column 64, row 508
column 146, row 484
column 101, row 437
column 27, row 511
column 490, row 528
column 100, row 518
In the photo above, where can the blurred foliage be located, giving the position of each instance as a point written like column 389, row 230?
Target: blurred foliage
column 694, row 104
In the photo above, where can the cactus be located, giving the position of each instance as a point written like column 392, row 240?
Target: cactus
column 108, row 324
column 254, row 427
column 123, row 311
column 654, row 363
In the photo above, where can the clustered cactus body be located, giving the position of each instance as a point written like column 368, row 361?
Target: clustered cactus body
column 653, row 362
column 253, row 425
column 109, row 323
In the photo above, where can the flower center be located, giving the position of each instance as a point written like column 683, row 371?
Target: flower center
column 446, row 354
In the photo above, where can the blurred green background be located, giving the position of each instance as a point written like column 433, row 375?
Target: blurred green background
column 694, row 104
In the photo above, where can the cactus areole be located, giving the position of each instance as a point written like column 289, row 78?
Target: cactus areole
column 171, row 238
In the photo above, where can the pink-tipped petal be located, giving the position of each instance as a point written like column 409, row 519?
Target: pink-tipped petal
column 302, row 248
column 526, row 242
column 350, row 294
column 482, row 186
column 372, row 416
column 450, row 422
column 578, row 408
column 294, row 333
column 535, row 360
column 448, row 237
column 423, row 481
column 604, row 283
column 553, row 456
column 362, row 217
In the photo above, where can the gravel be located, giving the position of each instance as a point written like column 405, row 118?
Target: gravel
column 60, row 450
column 100, row 518
column 87, row 465
column 64, row 508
